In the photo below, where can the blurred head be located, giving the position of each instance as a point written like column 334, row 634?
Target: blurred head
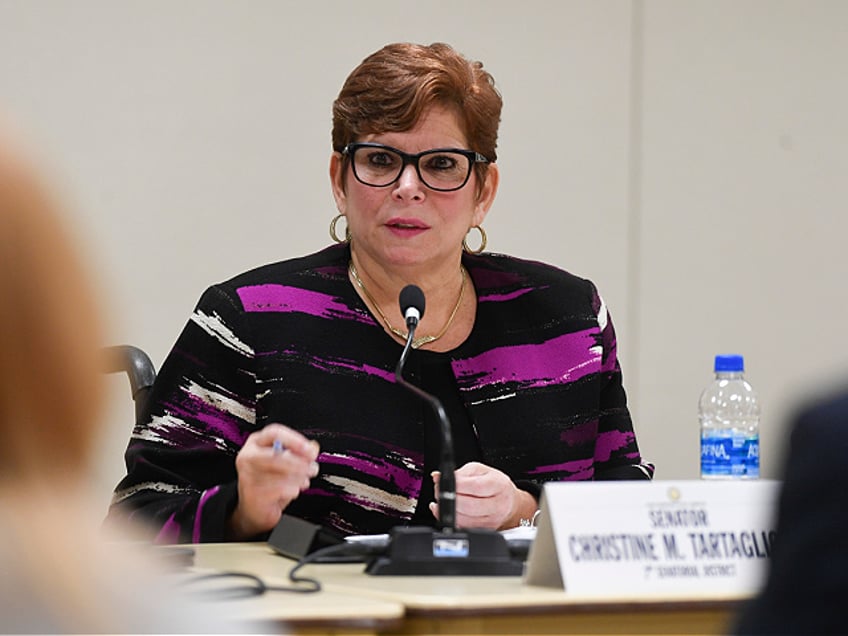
column 50, row 392
column 392, row 88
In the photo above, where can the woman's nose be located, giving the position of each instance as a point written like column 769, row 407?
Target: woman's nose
column 409, row 184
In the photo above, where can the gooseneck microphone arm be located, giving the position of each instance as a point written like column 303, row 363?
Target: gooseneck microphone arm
column 412, row 306
column 422, row 550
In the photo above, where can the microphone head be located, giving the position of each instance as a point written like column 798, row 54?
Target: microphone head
column 411, row 304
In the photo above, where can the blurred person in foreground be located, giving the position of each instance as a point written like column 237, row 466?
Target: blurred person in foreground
column 279, row 394
column 807, row 581
column 59, row 573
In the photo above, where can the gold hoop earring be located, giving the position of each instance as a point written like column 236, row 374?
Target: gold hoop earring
column 333, row 234
column 483, row 240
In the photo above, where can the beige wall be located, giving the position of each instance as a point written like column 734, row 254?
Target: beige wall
column 686, row 155
column 741, row 203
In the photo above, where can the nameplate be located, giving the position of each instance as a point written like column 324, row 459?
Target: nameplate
column 671, row 538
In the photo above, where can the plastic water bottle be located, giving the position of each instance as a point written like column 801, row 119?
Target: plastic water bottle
column 729, row 412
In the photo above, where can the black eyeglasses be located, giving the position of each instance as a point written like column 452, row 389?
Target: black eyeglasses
column 442, row 169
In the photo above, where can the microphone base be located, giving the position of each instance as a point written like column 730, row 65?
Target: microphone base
column 295, row 537
column 422, row 551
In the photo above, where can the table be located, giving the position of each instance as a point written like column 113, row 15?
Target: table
column 329, row 611
column 356, row 603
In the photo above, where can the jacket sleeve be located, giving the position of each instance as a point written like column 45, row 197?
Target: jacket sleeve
column 181, row 477
column 616, row 451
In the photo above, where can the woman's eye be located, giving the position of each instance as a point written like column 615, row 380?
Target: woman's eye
column 441, row 162
column 381, row 159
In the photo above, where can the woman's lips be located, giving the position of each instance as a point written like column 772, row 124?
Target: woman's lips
column 405, row 226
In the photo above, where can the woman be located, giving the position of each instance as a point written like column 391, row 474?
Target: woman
column 300, row 354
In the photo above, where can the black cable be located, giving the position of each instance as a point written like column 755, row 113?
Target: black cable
column 197, row 586
column 355, row 552
column 250, row 586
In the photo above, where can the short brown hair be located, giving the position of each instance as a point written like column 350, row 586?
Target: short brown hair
column 391, row 89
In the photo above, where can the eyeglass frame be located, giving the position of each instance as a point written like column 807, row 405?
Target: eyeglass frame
column 473, row 157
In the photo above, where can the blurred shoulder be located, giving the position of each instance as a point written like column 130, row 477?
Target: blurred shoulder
column 824, row 418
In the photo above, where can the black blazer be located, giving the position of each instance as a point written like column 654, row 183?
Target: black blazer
column 806, row 591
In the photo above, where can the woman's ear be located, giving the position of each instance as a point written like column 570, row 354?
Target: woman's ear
column 487, row 194
column 337, row 181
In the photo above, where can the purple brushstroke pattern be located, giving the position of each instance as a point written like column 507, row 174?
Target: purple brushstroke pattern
column 330, row 365
column 352, row 440
column 489, row 298
column 407, row 481
column 287, row 299
column 331, row 271
column 585, row 433
column 206, row 496
column 577, row 469
column 611, row 441
column 170, row 532
column 534, row 365
column 192, row 408
column 487, row 279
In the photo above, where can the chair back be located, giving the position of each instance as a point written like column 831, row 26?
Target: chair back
column 139, row 369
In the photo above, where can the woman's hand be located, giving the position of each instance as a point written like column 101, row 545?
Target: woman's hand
column 486, row 498
column 274, row 466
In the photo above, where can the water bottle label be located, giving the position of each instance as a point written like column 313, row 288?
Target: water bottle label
column 730, row 456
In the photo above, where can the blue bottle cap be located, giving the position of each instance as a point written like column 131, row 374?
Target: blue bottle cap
column 729, row 362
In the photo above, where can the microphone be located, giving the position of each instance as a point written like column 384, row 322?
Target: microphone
column 446, row 552
column 412, row 306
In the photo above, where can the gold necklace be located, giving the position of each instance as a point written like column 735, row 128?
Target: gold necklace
column 418, row 342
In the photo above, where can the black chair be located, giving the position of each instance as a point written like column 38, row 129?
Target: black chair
column 139, row 369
